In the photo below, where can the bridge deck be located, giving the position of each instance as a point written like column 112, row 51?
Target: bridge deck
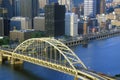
column 82, row 74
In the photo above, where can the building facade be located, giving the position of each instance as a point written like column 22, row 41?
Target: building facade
column 26, row 8
column 68, row 4
column 71, row 24
column 20, row 23
column 90, row 8
column 21, row 35
column 1, row 27
column 100, row 6
column 116, row 1
column 42, row 3
column 4, row 26
column 54, row 20
column 102, row 21
column 39, row 23
column 3, row 13
column 9, row 5
column 83, row 27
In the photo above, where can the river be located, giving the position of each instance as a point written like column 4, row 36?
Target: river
column 101, row 56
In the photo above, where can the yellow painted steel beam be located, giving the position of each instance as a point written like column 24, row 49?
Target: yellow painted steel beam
column 54, row 43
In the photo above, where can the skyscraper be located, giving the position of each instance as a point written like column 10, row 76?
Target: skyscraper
column 20, row 23
column 116, row 0
column 53, row 1
column 77, row 2
column 39, row 23
column 42, row 3
column 71, row 24
column 9, row 5
column 4, row 27
column 3, row 13
column 0, row 3
column 90, row 8
column 1, row 27
column 26, row 8
column 54, row 20
column 100, row 6
column 68, row 4
column 17, row 7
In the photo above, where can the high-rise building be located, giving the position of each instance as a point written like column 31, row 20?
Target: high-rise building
column 42, row 3
column 4, row 26
column 17, row 7
column 90, row 8
column 53, row 1
column 21, row 35
column 71, row 24
column 100, row 6
column 54, row 20
column 85, row 27
column 39, row 23
column 1, row 27
column 3, row 13
column 26, row 8
column 82, row 27
column 0, row 3
column 116, row 0
column 82, row 9
column 68, row 4
column 20, row 23
column 101, row 21
column 76, row 10
column 78, row 2
column 9, row 5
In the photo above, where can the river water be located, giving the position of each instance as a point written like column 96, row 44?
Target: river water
column 101, row 56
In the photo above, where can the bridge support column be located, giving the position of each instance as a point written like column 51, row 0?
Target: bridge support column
column 75, row 78
column 8, row 59
column 1, row 58
column 12, row 61
column 19, row 62
column 16, row 62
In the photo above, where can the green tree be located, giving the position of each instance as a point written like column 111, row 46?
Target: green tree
column 4, row 41
column 38, row 34
column 1, row 41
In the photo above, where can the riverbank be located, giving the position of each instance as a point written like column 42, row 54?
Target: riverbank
column 117, row 77
column 90, row 37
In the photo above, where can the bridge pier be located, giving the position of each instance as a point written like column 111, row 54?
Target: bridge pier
column 8, row 59
column 76, row 78
column 1, row 58
column 14, row 61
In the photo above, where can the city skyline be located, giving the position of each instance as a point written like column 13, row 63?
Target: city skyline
column 59, row 39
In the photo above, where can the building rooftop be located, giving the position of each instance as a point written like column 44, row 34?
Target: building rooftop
column 19, row 18
column 39, row 17
column 1, row 17
column 28, row 30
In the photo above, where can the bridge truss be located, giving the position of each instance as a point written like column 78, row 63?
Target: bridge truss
column 50, row 50
column 53, row 54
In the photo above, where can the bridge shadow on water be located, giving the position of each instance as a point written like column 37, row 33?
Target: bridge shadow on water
column 46, row 73
column 29, row 71
column 18, row 73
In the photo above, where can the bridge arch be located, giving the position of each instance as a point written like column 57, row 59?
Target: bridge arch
column 35, row 47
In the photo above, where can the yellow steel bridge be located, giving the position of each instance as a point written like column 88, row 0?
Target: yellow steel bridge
column 53, row 54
